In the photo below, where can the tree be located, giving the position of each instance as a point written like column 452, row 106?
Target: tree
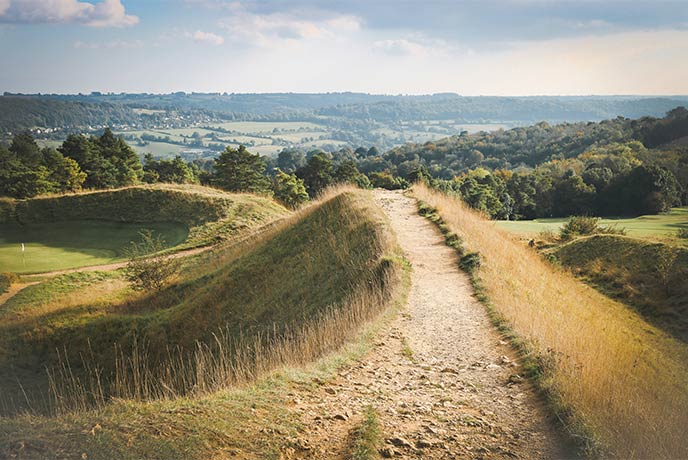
column 373, row 152
column 65, row 173
column 418, row 174
column 238, row 170
column 317, row 174
column 126, row 163
column 27, row 171
column 290, row 160
column 647, row 189
column 289, row 189
column 107, row 160
column 387, row 181
column 174, row 171
column 572, row 196
column 27, row 151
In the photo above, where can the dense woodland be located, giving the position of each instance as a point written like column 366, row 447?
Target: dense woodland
column 391, row 108
column 614, row 167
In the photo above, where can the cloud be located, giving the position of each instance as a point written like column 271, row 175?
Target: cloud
column 417, row 45
column 399, row 47
column 108, row 45
column 207, row 37
column 264, row 29
column 106, row 13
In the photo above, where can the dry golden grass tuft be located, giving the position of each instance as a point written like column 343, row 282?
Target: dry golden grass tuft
column 624, row 380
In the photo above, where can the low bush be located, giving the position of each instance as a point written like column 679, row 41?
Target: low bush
column 6, row 280
column 148, row 269
column 470, row 262
column 586, row 225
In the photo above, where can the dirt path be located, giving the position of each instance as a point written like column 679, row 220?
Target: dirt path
column 31, row 279
column 443, row 383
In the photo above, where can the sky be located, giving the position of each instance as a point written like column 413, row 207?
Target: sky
column 469, row 47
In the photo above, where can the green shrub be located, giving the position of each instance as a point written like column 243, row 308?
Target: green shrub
column 387, row 181
column 578, row 226
column 149, row 272
column 682, row 233
column 470, row 262
column 586, row 225
column 6, row 280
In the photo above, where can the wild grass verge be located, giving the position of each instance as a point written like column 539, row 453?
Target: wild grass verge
column 252, row 420
column 297, row 290
column 367, row 437
column 611, row 377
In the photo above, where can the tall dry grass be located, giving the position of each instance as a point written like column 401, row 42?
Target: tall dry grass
column 624, row 380
column 231, row 359
column 224, row 362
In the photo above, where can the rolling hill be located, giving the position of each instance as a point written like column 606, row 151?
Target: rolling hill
column 232, row 314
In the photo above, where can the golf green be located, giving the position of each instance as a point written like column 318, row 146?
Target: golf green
column 72, row 244
column 652, row 225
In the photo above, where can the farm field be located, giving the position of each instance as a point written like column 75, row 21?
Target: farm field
column 644, row 226
column 161, row 149
column 251, row 134
column 72, row 244
column 266, row 127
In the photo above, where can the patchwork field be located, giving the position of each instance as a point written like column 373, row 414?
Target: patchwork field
column 643, row 226
column 265, row 138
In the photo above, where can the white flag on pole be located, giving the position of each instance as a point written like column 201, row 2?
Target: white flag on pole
column 22, row 248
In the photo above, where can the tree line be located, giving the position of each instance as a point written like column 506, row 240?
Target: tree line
column 615, row 167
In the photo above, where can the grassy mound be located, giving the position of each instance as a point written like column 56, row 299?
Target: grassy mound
column 289, row 294
column 650, row 276
column 619, row 382
column 93, row 228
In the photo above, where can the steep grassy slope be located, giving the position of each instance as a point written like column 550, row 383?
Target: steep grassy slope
column 624, row 381
column 288, row 294
column 94, row 228
column 650, row 276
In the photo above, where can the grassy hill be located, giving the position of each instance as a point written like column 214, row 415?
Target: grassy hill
column 650, row 276
column 616, row 381
column 94, row 227
column 287, row 295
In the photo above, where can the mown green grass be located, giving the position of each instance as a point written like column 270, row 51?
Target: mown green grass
column 93, row 228
column 661, row 225
column 71, row 244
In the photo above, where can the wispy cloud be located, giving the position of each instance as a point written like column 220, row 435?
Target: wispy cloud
column 106, row 13
column 108, row 45
column 207, row 37
column 264, row 29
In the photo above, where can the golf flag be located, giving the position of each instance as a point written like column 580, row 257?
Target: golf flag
column 22, row 248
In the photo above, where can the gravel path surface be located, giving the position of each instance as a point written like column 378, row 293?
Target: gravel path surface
column 443, row 382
